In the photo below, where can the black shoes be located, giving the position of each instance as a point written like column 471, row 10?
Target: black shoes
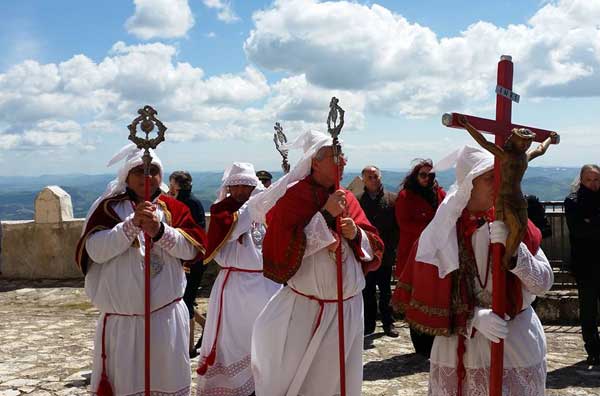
column 391, row 331
column 593, row 360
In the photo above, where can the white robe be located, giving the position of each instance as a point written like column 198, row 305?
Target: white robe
column 287, row 358
column 115, row 284
column 245, row 295
column 524, row 347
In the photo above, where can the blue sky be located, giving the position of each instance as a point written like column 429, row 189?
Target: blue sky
column 73, row 74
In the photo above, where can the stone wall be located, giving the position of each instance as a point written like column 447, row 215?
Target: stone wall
column 43, row 248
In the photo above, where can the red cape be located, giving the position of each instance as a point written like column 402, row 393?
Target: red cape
column 223, row 218
column 285, row 241
column 439, row 306
column 177, row 215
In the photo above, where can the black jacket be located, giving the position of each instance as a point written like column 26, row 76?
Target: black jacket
column 582, row 209
column 380, row 212
column 188, row 198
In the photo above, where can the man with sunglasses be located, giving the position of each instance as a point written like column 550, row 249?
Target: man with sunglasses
column 378, row 205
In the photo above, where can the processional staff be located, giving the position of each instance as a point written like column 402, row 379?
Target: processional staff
column 147, row 121
column 334, row 129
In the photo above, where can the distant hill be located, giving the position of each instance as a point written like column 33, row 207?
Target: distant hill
column 17, row 194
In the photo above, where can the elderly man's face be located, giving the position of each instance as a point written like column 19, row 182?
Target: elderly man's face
column 325, row 169
column 482, row 195
column 240, row 192
column 135, row 180
column 372, row 180
column 591, row 179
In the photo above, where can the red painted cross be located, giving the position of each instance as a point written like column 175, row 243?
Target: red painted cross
column 501, row 129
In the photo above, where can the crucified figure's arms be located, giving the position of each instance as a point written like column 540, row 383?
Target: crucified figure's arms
column 541, row 149
column 479, row 138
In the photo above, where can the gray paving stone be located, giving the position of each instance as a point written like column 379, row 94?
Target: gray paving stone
column 46, row 344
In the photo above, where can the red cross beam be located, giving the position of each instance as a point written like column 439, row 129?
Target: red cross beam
column 501, row 128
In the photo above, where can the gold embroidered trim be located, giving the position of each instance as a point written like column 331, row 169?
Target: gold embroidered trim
column 224, row 241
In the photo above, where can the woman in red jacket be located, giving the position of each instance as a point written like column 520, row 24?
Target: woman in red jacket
column 416, row 204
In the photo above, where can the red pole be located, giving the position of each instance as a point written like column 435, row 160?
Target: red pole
column 147, row 248
column 503, row 122
column 340, row 286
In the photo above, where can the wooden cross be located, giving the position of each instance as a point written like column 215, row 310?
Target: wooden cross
column 501, row 128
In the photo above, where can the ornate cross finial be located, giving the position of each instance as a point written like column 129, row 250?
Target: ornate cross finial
column 333, row 127
column 279, row 138
column 147, row 120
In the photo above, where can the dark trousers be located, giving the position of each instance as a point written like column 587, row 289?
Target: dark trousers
column 193, row 283
column 381, row 279
column 421, row 342
column 589, row 294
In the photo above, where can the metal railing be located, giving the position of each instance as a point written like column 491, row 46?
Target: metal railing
column 557, row 247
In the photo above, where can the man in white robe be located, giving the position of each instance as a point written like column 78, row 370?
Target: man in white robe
column 111, row 255
column 446, row 290
column 240, row 291
column 295, row 340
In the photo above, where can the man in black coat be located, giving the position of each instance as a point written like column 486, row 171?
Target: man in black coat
column 378, row 205
column 180, row 187
column 582, row 209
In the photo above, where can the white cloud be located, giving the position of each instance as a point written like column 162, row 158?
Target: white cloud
column 40, row 102
column 403, row 67
column 225, row 10
column 160, row 19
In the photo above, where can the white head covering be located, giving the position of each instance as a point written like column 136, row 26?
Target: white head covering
column 438, row 244
column 239, row 174
column 133, row 158
column 310, row 142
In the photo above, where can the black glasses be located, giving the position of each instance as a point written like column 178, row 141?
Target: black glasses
column 139, row 170
column 426, row 175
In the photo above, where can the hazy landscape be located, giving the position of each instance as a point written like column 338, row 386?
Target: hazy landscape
column 17, row 194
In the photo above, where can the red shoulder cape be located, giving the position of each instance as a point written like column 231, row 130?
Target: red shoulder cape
column 437, row 306
column 223, row 218
column 285, row 241
column 177, row 215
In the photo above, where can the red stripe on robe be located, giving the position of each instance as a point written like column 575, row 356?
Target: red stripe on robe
column 285, row 242
column 223, row 218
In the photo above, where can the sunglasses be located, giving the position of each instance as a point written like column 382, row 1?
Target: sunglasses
column 139, row 170
column 426, row 175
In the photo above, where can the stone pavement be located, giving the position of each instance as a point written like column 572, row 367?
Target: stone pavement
column 46, row 330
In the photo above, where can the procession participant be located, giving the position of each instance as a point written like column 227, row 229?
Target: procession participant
column 295, row 338
column 240, row 291
column 111, row 253
column 446, row 291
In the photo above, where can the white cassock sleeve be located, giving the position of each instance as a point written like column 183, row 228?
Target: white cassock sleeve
column 318, row 235
column 243, row 224
column 176, row 245
column 534, row 271
column 105, row 245
column 365, row 246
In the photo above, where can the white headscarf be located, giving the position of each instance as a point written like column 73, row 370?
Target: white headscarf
column 239, row 174
column 310, row 142
column 438, row 244
column 133, row 158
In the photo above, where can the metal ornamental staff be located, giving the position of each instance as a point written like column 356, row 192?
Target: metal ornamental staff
column 147, row 120
column 280, row 139
column 334, row 128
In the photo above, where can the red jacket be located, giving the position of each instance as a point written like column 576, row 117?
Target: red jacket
column 413, row 213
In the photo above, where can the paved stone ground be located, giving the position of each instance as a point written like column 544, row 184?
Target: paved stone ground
column 46, row 345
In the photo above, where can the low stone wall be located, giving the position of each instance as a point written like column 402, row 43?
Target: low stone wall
column 33, row 250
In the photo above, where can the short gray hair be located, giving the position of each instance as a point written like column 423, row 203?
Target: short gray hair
column 369, row 167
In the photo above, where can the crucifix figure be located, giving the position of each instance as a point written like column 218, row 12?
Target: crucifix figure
column 509, row 166
column 511, row 205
